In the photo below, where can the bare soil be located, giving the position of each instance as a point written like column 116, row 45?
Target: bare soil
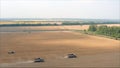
column 91, row 51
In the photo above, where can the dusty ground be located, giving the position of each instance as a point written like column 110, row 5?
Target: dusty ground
column 91, row 51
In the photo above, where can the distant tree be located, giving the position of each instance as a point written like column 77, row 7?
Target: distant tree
column 92, row 28
column 102, row 30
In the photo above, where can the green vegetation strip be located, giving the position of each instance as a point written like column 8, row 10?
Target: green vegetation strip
column 104, row 31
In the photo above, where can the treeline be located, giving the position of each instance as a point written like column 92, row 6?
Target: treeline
column 113, row 31
column 2, row 25
column 71, row 23
column 87, row 23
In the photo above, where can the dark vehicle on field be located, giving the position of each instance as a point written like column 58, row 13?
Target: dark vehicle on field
column 38, row 60
column 11, row 52
column 71, row 56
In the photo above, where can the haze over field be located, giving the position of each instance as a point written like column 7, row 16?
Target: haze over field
column 93, row 9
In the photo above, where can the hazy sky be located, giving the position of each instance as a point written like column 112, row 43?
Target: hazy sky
column 98, row 9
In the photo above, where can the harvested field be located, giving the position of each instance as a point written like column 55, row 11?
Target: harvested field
column 37, row 28
column 110, row 25
column 91, row 51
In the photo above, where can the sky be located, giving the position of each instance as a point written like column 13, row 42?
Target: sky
column 93, row 9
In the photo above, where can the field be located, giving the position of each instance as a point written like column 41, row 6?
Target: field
column 56, row 28
column 53, row 46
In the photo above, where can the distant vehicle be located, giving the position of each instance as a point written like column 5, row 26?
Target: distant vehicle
column 11, row 52
column 38, row 60
column 71, row 56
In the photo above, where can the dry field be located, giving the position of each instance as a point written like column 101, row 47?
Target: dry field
column 56, row 28
column 53, row 46
column 39, row 28
column 111, row 25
